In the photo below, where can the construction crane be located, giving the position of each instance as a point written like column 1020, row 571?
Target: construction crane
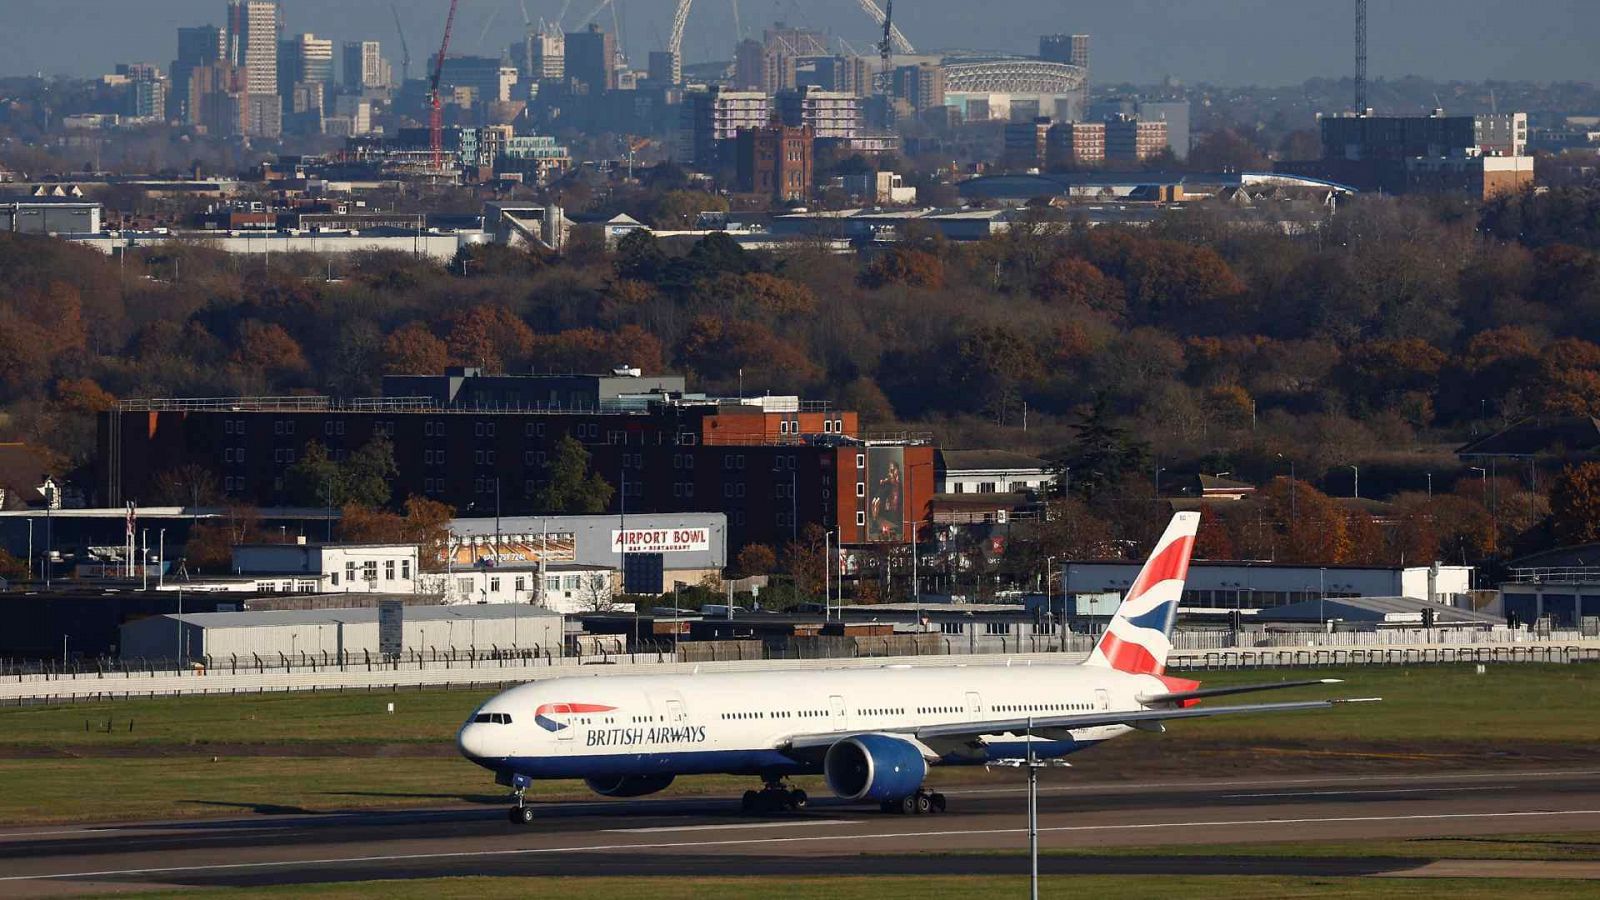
column 1361, row 57
column 886, row 46
column 871, row 8
column 680, row 18
column 405, row 51
column 435, row 112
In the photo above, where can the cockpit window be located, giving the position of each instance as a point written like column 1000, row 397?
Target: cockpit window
column 493, row 718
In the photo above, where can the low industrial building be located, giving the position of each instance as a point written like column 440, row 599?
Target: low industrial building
column 1256, row 585
column 470, row 630
column 990, row 472
column 691, row 546
column 567, row 588
column 323, row 568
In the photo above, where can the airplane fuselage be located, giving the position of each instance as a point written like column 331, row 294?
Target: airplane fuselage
column 742, row 723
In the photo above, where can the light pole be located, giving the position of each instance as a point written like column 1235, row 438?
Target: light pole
column 1356, row 490
column 1293, row 513
column 827, row 575
column 30, row 549
column 1485, row 473
column 1049, row 566
column 1033, row 764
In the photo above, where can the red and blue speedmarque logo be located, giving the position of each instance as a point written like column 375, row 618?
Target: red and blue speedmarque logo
column 541, row 717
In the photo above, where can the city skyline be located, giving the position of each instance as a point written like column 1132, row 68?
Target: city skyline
column 1251, row 42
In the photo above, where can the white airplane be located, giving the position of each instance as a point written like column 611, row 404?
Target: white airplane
column 872, row 733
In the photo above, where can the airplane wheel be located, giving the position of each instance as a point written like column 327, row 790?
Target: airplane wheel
column 521, row 815
column 922, row 804
column 797, row 798
column 938, row 802
column 750, row 801
column 908, row 805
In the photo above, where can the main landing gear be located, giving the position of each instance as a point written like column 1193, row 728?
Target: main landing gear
column 921, row 802
column 774, row 796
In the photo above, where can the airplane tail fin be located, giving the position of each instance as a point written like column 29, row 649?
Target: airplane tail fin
column 1137, row 639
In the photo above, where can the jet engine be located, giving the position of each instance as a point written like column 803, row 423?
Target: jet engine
column 874, row 767
column 628, row 785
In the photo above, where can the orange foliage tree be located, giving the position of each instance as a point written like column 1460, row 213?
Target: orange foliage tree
column 413, row 349
column 1575, row 504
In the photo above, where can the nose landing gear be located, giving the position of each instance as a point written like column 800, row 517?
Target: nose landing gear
column 521, row 814
column 774, row 796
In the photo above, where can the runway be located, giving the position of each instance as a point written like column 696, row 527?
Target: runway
column 710, row 836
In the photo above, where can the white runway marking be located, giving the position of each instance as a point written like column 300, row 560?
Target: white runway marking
column 738, row 826
column 1265, row 782
column 681, row 845
column 12, row 834
column 1351, row 791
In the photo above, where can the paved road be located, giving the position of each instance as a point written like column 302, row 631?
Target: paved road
column 686, row 836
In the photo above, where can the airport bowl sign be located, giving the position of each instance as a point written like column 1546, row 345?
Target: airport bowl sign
column 660, row 540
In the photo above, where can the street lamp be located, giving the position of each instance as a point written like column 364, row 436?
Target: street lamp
column 1049, row 566
column 1293, row 484
column 1485, row 473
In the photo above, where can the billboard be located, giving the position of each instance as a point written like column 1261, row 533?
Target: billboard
column 886, row 494
column 660, row 540
column 512, row 549
column 391, row 627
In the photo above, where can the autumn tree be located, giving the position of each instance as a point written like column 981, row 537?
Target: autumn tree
column 1575, row 504
column 413, row 349
column 266, row 348
column 190, row 484
column 1073, row 282
column 427, row 524
column 804, row 559
column 572, row 488
column 904, row 266
column 1226, row 150
column 755, row 559
column 211, row 542
column 489, row 336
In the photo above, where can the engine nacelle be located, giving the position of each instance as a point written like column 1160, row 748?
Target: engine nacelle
column 628, row 785
column 874, row 767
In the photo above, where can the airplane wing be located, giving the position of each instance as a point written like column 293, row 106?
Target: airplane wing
column 1202, row 693
column 1144, row 719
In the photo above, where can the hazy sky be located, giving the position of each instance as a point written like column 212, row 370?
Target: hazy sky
column 1225, row 41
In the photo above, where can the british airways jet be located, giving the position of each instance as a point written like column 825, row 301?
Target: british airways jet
column 871, row 733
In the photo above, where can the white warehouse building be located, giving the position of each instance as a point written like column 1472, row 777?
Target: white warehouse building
column 475, row 629
column 1256, row 585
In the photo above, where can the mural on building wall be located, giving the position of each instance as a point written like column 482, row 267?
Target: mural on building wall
column 886, row 493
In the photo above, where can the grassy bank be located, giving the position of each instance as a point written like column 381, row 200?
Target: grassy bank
column 197, row 756
column 1523, row 702
column 1102, row 887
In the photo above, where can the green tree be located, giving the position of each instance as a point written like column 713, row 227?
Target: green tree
column 314, row 479
column 366, row 474
column 1102, row 453
column 573, row 488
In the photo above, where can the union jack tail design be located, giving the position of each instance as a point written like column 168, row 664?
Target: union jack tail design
column 1137, row 640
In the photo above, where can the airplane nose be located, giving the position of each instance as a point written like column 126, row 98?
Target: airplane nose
column 473, row 741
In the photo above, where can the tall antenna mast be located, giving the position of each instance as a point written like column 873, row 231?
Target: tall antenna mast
column 1361, row 57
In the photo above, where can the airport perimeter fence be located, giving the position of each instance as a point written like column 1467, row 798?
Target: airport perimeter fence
column 1309, row 648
